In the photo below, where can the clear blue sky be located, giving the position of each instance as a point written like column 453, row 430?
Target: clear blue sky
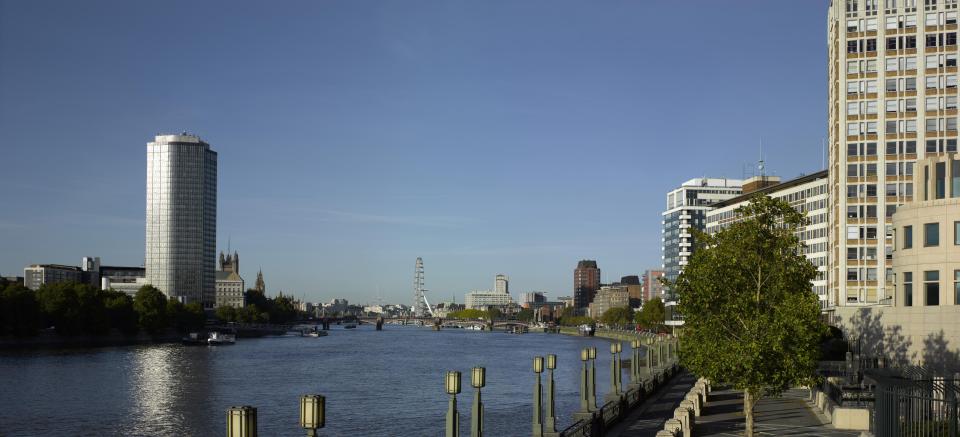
column 488, row 137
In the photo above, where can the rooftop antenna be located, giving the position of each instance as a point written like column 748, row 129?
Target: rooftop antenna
column 760, row 165
column 823, row 156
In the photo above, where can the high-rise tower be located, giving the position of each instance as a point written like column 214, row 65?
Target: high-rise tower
column 892, row 99
column 182, row 218
column 501, row 284
column 586, row 282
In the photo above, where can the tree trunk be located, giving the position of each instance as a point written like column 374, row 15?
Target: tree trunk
column 748, row 412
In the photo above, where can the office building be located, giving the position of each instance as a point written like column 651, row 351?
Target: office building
column 502, row 284
column 806, row 194
column 482, row 300
column 687, row 208
column 634, row 289
column 916, row 321
column 229, row 284
column 651, row 286
column 892, row 99
column 586, row 281
column 609, row 296
column 182, row 218
column 36, row 275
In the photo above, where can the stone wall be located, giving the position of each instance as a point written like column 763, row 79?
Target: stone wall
column 928, row 335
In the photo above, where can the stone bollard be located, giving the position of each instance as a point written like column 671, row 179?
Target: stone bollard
column 694, row 399
column 674, row 426
column 683, row 416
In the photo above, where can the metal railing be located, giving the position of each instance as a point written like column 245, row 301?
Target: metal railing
column 915, row 403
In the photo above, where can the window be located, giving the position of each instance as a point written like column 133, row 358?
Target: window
column 931, row 234
column 931, row 287
column 908, row 289
column 940, row 173
column 907, row 237
column 956, row 287
column 956, row 233
column 955, row 180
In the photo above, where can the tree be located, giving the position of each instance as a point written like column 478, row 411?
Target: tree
column 751, row 317
column 494, row 314
column 618, row 316
column 60, row 306
column 525, row 315
column 151, row 307
column 185, row 318
column 119, row 307
column 651, row 315
column 19, row 311
column 227, row 313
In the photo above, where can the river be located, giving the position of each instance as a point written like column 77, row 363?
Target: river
column 387, row 383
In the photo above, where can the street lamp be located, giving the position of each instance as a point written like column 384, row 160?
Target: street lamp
column 242, row 421
column 635, row 362
column 452, row 385
column 617, row 359
column 584, row 382
column 312, row 413
column 537, row 398
column 593, row 378
column 550, row 427
column 478, row 379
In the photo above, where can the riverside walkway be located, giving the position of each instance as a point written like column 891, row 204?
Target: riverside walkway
column 789, row 415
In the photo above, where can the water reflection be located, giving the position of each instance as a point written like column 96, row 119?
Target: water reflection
column 170, row 387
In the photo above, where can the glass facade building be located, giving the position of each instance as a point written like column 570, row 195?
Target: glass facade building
column 181, row 226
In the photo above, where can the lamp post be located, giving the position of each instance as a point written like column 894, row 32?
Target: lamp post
column 619, row 360
column 593, row 378
column 550, row 428
column 649, row 355
column 584, row 382
column 537, row 391
column 242, row 421
column 478, row 379
column 452, row 384
column 312, row 413
column 635, row 362
column 614, row 390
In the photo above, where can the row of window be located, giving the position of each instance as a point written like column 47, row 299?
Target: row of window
column 902, row 84
column 900, row 21
column 931, row 235
column 902, row 126
column 868, row 211
column 933, row 103
column 905, row 42
column 855, row 191
column 931, row 288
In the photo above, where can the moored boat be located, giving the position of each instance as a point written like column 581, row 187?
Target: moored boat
column 217, row 338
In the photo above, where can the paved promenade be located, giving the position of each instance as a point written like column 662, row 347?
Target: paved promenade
column 789, row 415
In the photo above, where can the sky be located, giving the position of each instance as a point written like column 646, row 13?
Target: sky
column 487, row 137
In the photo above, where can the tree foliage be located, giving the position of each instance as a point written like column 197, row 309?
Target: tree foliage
column 525, row 315
column 617, row 317
column 151, row 307
column 651, row 315
column 19, row 311
column 751, row 318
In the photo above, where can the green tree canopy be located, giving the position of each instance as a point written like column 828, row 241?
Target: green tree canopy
column 651, row 315
column 19, row 311
column 494, row 314
column 119, row 307
column 227, row 313
column 525, row 315
column 151, row 307
column 751, row 318
column 617, row 317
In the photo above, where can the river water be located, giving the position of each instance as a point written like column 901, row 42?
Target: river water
column 387, row 383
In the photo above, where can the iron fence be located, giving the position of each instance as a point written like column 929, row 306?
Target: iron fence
column 913, row 402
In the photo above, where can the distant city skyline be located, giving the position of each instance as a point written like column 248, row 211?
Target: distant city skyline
column 513, row 138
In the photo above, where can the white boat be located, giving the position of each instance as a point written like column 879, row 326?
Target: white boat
column 317, row 334
column 475, row 328
column 217, row 339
